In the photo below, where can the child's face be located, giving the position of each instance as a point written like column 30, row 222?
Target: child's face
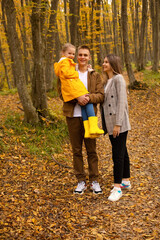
column 70, row 53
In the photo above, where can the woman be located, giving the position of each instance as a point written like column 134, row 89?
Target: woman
column 115, row 121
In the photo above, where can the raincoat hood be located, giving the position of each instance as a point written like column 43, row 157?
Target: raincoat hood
column 57, row 65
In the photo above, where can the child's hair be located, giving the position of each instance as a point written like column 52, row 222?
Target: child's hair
column 116, row 66
column 66, row 46
column 84, row 47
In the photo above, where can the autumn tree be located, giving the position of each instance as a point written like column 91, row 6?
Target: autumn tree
column 50, row 45
column 134, row 9
column 8, row 41
column 115, row 26
column 66, row 20
column 73, row 17
column 142, row 35
column 14, row 43
column 5, row 67
column 38, row 81
column 126, row 42
column 154, row 10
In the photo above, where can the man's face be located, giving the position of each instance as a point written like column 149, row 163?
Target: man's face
column 83, row 57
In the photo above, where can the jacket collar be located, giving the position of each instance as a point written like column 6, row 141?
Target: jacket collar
column 89, row 78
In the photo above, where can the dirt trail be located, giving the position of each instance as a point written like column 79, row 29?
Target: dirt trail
column 36, row 194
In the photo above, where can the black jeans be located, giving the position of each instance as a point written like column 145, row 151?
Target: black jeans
column 121, row 168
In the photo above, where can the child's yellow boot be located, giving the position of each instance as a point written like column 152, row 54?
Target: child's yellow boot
column 93, row 126
column 86, row 128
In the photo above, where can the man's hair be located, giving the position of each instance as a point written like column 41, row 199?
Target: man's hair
column 84, row 47
column 66, row 46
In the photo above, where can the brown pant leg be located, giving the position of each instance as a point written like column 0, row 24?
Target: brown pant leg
column 90, row 145
column 76, row 134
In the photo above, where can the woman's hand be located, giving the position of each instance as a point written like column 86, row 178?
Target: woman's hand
column 116, row 131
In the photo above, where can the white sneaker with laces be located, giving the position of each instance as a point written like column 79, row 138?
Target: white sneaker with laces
column 115, row 195
column 96, row 187
column 80, row 187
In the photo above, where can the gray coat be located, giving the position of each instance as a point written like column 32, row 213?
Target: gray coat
column 114, row 110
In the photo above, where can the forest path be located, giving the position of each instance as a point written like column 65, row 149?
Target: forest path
column 37, row 200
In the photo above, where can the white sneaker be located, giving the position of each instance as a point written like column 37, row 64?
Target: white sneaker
column 115, row 195
column 80, row 187
column 96, row 187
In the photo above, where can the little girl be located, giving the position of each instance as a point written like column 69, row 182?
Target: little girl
column 73, row 88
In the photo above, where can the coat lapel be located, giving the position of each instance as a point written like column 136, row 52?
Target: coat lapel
column 109, row 87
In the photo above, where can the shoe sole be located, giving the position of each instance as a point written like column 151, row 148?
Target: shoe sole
column 80, row 193
column 114, row 200
column 125, row 188
column 96, row 193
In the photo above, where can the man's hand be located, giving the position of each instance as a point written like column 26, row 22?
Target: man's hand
column 83, row 100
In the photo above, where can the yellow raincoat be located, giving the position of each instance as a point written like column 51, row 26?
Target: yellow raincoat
column 71, row 85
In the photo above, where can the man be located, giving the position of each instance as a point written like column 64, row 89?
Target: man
column 72, row 111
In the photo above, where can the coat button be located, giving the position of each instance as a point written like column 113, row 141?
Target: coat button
column 112, row 96
column 109, row 105
column 110, row 114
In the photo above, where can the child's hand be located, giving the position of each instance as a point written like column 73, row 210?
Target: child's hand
column 90, row 67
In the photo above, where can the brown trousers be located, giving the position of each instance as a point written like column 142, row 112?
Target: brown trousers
column 76, row 134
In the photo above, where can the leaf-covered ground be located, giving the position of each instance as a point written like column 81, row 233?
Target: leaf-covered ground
column 36, row 195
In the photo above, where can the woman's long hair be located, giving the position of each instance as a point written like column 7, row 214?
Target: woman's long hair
column 116, row 66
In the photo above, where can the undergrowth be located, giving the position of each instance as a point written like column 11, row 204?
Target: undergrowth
column 41, row 140
column 8, row 92
column 151, row 78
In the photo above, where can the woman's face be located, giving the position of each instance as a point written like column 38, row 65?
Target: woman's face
column 106, row 66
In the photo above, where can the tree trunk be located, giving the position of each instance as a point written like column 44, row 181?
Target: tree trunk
column 154, row 7
column 106, row 47
column 126, row 42
column 73, row 21
column 159, row 27
column 98, row 34
column 31, row 115
column 115, row 28
column 92, row 40
column 66, row 20
column 83, row 37
column 39, row 97
column 4, row 64
column 133, row 10
column 24, row 38
column 78, row 41
column 57, row 44
column 121, row 40
column 10, row 49
column 142, row 35
column 50, row 43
